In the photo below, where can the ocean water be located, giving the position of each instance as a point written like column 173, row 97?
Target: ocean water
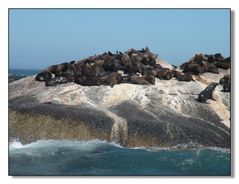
column 22, row 72
column 76, row 158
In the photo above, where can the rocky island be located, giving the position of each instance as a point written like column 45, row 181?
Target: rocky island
column 131, row 98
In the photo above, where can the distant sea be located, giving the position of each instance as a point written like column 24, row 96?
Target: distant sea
column 76, row 158
column 21, row 73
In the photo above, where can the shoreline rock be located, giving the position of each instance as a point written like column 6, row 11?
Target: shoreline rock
column 161, row 115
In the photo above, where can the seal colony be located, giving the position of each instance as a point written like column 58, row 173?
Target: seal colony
column 135, row 67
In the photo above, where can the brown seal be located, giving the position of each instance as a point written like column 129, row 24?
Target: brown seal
column 111, row 79
column 207, row 93
column 43, row 76
column 187, row 77
column 136, row 79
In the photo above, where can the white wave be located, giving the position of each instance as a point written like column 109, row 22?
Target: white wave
column 82, row 145
column 91, row 145
column 15, row 145
column 152, row 149
column 182, row 146
column 188, row 146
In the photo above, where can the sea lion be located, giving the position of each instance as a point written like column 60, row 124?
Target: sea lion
column 194, row 68
column 157, row 66
column 130, row 51
column 182, row 66
column 164, row 73
column 99, row 62
column 224, row 64
column 210, row 58
column 207, row 93
column 126, row 61
column 98, row 71
column 199, row 64
column 168, row 76
column 227, row 86
column 63, row 69
column 52, row 68
column 152, row 62
column 174, row 66
column 225, row 79
column 124, row 79
column 87, row 81
column 78, row 68
column 145, row 61
column 150, row 78
column 187, row 77
column 136, row 79
column 57, row 80
column 48, row 73
column 136, row 57
column 151, row 55
column 199, row 57
column 148, row 69
column 81, row 79
column 43, row 76
column 110, row 53
column 93, row 70
column 112, row 66
column 212, row 68
column 176, row 74
column 218, row 57
column 139, row 67
column 111, row 79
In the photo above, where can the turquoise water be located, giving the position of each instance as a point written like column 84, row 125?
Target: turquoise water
column 50, row 157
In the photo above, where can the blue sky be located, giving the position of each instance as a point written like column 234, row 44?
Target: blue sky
column 42, row 37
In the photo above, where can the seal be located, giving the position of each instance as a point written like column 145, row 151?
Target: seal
column 87, row 81
column 218, row 57
column 174, row 66
column 212, row 68
column 225, row 79
column 158, row 66
column 210, row 58
column 150, row 78
column 92, row 70
column 227, row 86
column 176, row 74
column 124, row 79
column 194, row 68
column 136, row 79
column 72, row 62
column 187, row 77
column 126, row 61
column 111, row 79
column 112, row 65
column 164, row 73
column 43, row 76
column 207, row 93
column 63, row 69
column 57, row 80
column 224, row 64
column 147, row 70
